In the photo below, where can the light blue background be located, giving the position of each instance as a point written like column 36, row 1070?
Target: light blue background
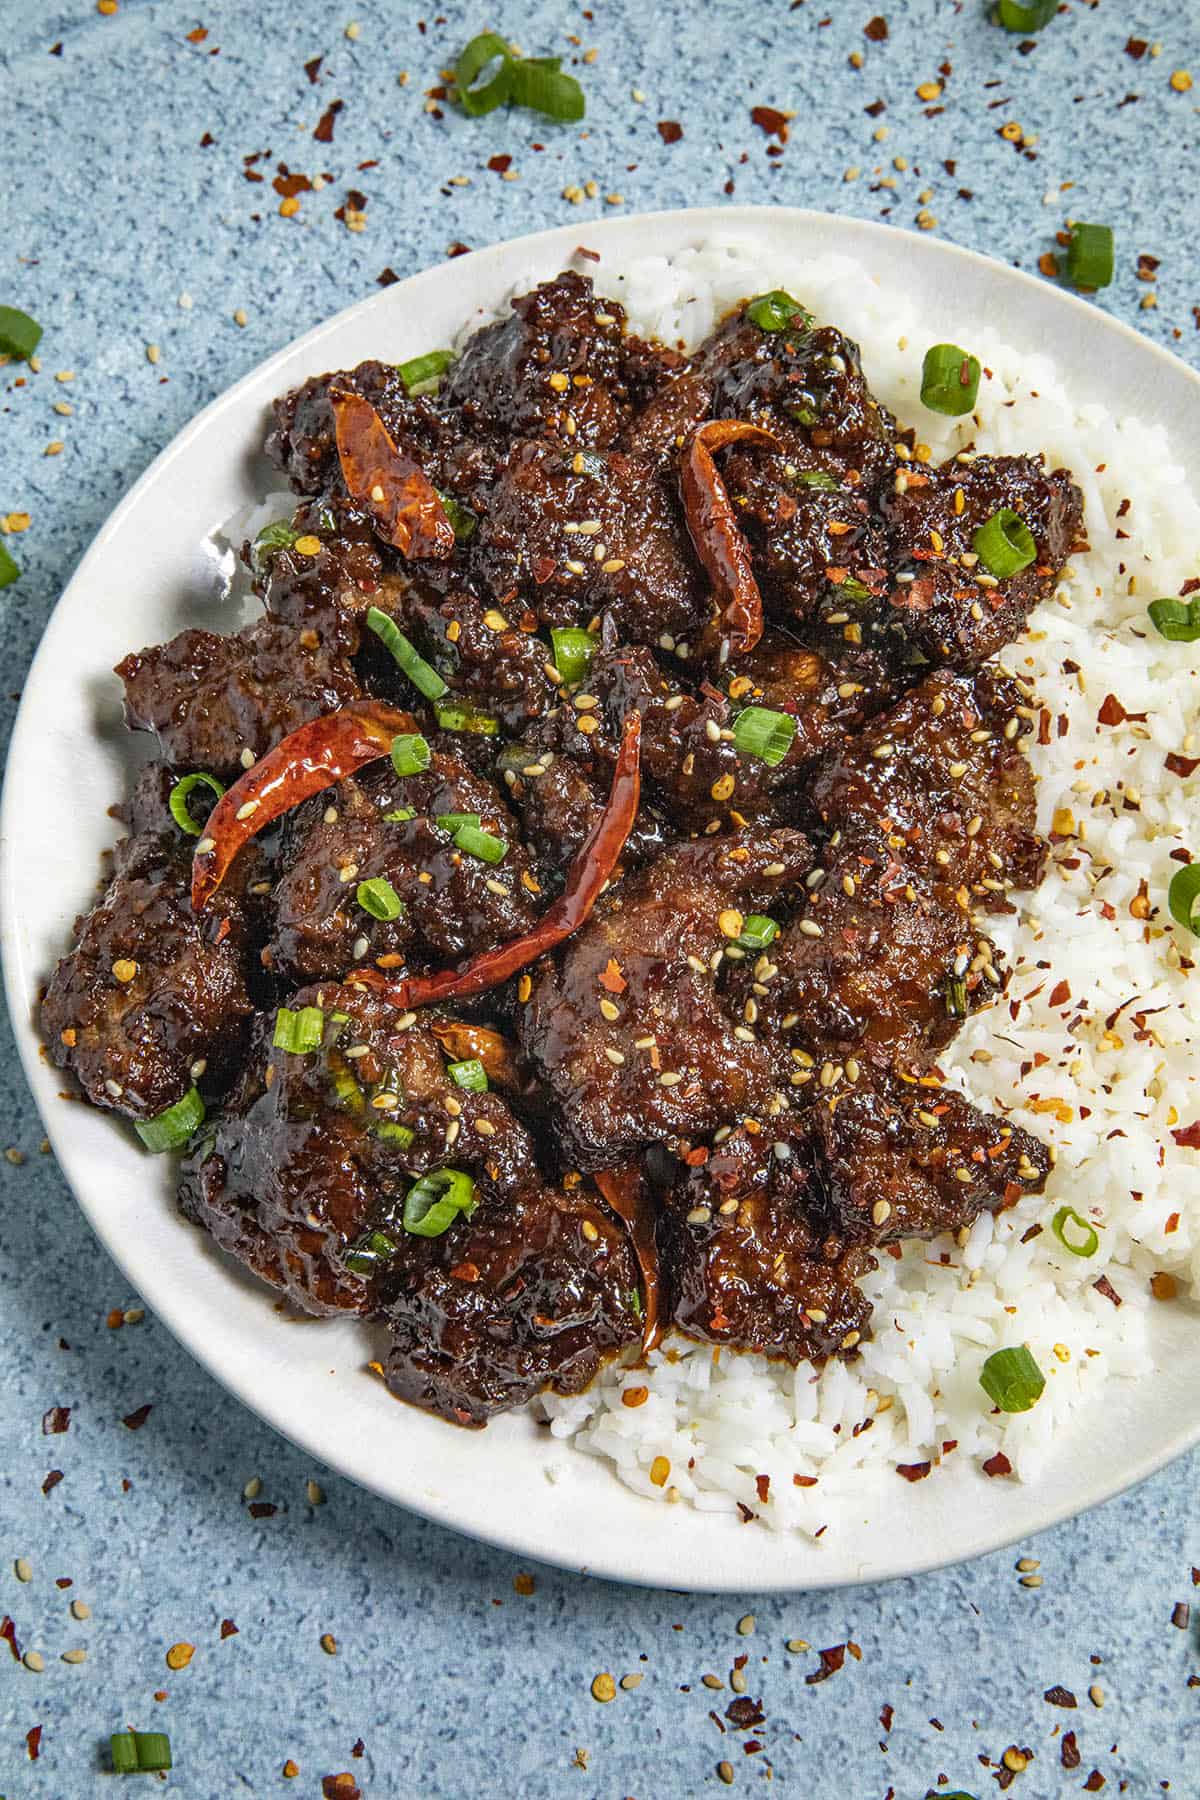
column 457, row 1685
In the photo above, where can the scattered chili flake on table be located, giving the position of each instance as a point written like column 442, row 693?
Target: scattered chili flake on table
column 323, row 131
column 771, row 121
column 670, row 130
column 137, row 1418
column 33, row 1742
column 876, row 30
column 56, row 1421
column 52, row 1480
column 831, row 1662
column 1059, row 1696
column 8, row 1635
column 228, row 1628
column 340, row 1787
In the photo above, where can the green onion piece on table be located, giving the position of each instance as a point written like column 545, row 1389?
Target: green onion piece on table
column 1004, row 544
column 479, row 55
column 1012, row 1380
column 949, row 380
column 178, row 801
column 538, row 83
column 470, row 1074
column 19, row 334
column 1025, row 15
column 279, row 536
column 757, row 932
column 423, row 675
column 410, row 754
column 299, row 1032
column 768, row 735
column 1090, row 256
column 365, row 1254
column 452, row 821
column 776, row 311
column 456, row 715
column 9, row 570
column 1177, row 620
column 379, row 898
column 173, row 1127
column 474, row 842
column 462, row 519
column 1086, row 1237
column 573, row 651
column 140, row 1752
column 433, row 1203
column 1183, row 898
column 421, row 374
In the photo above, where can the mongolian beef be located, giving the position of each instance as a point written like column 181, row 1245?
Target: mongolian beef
column 540, row 928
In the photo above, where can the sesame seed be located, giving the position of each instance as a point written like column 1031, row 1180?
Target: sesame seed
column 614, row 1056
column 746, row 1624
column 743, row 1034
column 349, row 873
column 23, row 1569
column 810, row 928
column 670, row 1078
column 485, row 1128
column 74, row 1656
column 700, row 1215
column 248, row 810
column 205, row 845
column 609, row 1011
column 629, row 1682
column 80, row 1609
column 589, row 1231
column 34, row 1661
column 881, row 1212
column 247, row 758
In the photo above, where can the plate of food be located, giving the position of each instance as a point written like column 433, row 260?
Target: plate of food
column 652, row 897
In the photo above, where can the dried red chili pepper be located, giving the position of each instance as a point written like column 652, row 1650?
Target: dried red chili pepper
column 593, row 864
column 624, row 1192
column 713, row 528
column 402, row 501
column 307, row 761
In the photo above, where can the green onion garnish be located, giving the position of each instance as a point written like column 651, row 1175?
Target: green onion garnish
column 173, row 1127
column 410, row 754
column 279, row 536
column 9, row 570
column 451, row 821
column 956, row 997
column 573, row 651
column 776, row 311
column 480, row 54
column 1183, row 898
column 1025, row 15
column 470, row 1074
column 633, row 1299
column 767, row 735
column 19, row 334
column 379, row 898
column 854, row 590
column 421, row 374
column 299, row 1032
column 178, row 801
column 1012, row 1380
column 433, row 1203
column 402, row 814
column 140, row 1752
column 803, row 415
column 459, row 716
column 949, row 379
column 473, row 842
column 423, row 675
column 1090, row 256
column 1086, row 1244
column 817, row 478
column 1178, row 620
column 461, row 518
column 365, row 1254
column 394, row 1134
column 539, row 83
column 1004, row 545
column 757, row 932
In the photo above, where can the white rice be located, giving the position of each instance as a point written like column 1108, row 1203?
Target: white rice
column 1106, row 1095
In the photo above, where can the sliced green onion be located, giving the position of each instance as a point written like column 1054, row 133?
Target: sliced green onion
column 9, row 570
column 1090, row 256
column 817, row 478
column 365, row 1255
column 379, row 898
column 19, row 334
column 1086, row 1244
column 765, row 734
column 851, row 589
column 140, row 1752
column 1183, row 898
column 473, row 842
column 433, row 1203
column 573, row 651
column 410, row 754
column 461, row 518
column 451, row 821
column 346, row 1089
column 776, row 311
column 803, row 415
column 470, row 1074
column 1004, row 545
column 1025, row 15
column 173, row 1127
column 949, row 379
column 538, row 83
column 178, row 801
column 423, row 675
column 1178, row 620
column 394, row 1134
column 757, row 932
column 402, row 814
column 421, row 374
column 299, row 1032
column 479, row 55
column 1012, row 1380
column 279, row 536
column 633, row 1299
column 457, row 715
column 956, row 997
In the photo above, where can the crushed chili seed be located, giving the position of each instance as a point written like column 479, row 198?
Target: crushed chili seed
column 180, row 1655
column 604, row 1688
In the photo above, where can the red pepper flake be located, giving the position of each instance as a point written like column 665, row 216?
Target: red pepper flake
column 880, row 106
column 340, row 1787
column 612, row 979
column 56, row 1421
column 1070, row 1751
column 1181, row 1614
column 887, row 1713
column 771, row 121
column 831, row 1662
column 804, row 1481
column 670, row 130
column 323, row 131
column 386, row 278
column 198, row 35
column 458, row 249
column 207, row 141
column 1059, row 1696
column 262, row 1509
column 313, row 69
column 745, row 1513
column 33, row 1742
column 744, row 1712
column 498, row 164
column 228, row 1628
column 1136, row 48
column 136, row 1419
column 1112, row 712
column 997, row 1465
column 358, row 1747
column 63, row 1581
column 1181, row 765
column 1060, row 993
column 913, row 1471
column 52, row 1480
column 1104, row 1286
column 877, row 30
column 1188, row 1137
column 1094, row 1782
column 8, row 1632
column 763, row 1485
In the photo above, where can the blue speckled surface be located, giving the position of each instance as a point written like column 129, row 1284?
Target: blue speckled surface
column 122, row 229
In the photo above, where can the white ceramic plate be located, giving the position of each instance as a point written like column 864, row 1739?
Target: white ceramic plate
column 144, row 578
